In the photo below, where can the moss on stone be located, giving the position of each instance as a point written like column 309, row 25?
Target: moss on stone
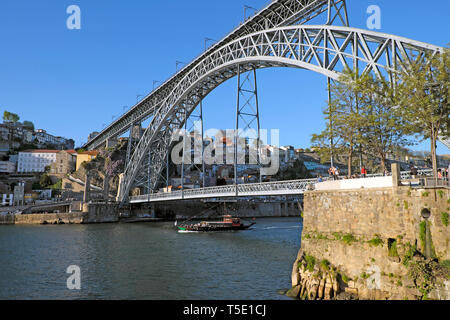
column 422, row 233
column 405, row 204
column 337, row 236
column 425, row 194
column 444, row 218
column 348, row 238
column 376, row 241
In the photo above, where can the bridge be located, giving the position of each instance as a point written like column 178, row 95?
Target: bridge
column 278, row 188
column 276, row 36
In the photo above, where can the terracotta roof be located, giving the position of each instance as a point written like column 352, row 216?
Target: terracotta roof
column 48, row 151
column 41, row 151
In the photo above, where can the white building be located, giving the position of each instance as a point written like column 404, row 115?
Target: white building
column 7, row 167
column 35, row 160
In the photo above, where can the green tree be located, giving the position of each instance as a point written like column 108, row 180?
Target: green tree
column 423, row 95
column 10, row 117
column 383, row 129
column 298, row 170
column 45, row 181
column 343, row 119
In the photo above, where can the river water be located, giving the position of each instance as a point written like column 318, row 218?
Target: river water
column 148, row 261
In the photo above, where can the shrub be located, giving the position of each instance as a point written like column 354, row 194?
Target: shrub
column 310, row 262
column 325, row 264
column 409, row 254
column 345, row 278
column 392, row 247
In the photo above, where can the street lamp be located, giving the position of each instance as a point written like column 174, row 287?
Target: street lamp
column 137, row 98
column 178, row 63
column 155, row 82
column 209, row 39
column 124, row 108
column 245, row 11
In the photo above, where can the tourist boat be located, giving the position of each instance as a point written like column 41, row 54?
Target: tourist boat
column 227, row 224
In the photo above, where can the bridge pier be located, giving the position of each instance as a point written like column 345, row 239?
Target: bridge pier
column 110, row 143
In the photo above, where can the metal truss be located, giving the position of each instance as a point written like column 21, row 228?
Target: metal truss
column 276, row 14
column 444, row 141
column 328, row 50
column 133, row 140
column 247, row 132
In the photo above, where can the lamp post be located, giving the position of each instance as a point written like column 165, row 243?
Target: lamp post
column 137, row 98
column 178, row 63
column 245, row 11
column 155, row 82
column 209, row 39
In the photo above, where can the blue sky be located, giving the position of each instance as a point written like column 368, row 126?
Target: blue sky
column 72, row 82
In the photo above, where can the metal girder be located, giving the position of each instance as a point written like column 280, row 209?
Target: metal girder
column 445, row 141
column 328, row 50
column 276, row 14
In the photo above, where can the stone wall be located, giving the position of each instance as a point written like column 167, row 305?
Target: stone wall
column 372, row 242
column 6, row 219
column 189, row 208
column 100, row 213
column 49, row 218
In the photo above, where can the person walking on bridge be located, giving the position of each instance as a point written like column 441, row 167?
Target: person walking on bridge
column 363, row 172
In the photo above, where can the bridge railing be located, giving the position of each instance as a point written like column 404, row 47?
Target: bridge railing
column 265, row 188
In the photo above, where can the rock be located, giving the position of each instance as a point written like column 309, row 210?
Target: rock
column 352, row 291
column 295, row 277
column 294, row 292
column 320, row 289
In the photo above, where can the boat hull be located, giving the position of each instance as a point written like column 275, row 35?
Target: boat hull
column 187, row 229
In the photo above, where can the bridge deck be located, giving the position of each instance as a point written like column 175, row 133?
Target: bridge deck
column 277, row 188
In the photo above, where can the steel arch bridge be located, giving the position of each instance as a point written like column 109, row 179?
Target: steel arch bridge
column 326, row 49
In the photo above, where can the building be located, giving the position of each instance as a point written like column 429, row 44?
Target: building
column 85, row 156
column 42, row 138
column 35, row 160
column 7, row 167
column 65, row 162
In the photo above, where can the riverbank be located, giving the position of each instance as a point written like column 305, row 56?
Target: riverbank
column 381, row 243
